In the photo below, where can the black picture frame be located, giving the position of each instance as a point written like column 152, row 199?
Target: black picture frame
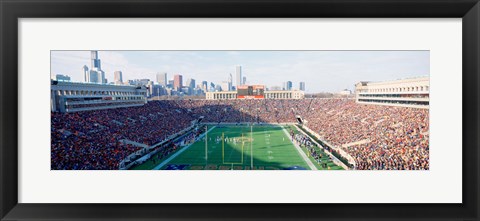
column 12, row 10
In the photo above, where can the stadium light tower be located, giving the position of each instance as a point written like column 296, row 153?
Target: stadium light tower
column 206, row 146
column 251, row 147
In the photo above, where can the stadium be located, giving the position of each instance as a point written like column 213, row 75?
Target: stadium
column 102, row 128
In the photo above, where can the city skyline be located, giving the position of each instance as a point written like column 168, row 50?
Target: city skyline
column 323, row 71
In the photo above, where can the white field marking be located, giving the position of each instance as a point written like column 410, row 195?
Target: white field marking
column 300, row 151
column 176, row 154
column 270, row 157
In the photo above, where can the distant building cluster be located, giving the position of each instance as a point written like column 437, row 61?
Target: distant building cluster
column 288, row 86
column 61, row 77
column 95, row 74
column 177, row 85
column 411, row 92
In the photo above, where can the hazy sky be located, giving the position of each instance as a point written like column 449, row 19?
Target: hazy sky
column 322, row 71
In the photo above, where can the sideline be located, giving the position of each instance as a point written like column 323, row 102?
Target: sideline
column 302, row 154
column 335, row 160
column 178, row 153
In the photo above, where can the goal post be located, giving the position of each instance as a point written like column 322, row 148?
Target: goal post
column 223, row 152
column 251, row 146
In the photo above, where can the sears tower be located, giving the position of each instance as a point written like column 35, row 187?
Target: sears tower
column 95, row 75
column 95, row 60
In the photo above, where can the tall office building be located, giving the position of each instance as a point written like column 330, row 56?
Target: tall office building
column 117, row 78
column 95, row 61
column 190, row 83
column 238, row 75
column 170, row 84
column 162, row 79
column 96, row 74
column 177, row 82
column 86, row 74
column 212, row 86
column 289, row 86
column 94, row 77
column 244, row 81
column 302, row 86
column 204, row 86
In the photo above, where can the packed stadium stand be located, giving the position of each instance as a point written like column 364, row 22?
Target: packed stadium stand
column 376, row 137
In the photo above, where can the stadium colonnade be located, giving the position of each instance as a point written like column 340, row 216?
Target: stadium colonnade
column 228, row 95
column 411, row 92
column 72, row 96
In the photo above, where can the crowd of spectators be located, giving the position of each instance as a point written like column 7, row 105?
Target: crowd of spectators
column 91, row 140
column 377, row 137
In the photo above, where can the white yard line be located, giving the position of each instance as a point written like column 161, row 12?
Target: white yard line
column 300, row 151
column 177, row 153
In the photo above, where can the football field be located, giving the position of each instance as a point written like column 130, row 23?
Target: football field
column 267, row 147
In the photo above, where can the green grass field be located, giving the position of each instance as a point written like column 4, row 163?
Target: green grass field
column 236, row 147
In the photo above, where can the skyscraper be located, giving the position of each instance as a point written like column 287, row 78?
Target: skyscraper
column 96, row 74
column 117, row 78
column 162, row 79
column 302, row 86
column 177, row 81
column 94, row 78
column 190, row 83
column 86, row 74
column 244, row 81
column 212, row 86
column 238, row 75
column 95, row 61
column 289, row 85
column 204, row 86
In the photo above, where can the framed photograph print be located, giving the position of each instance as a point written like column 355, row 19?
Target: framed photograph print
column 227, row 110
